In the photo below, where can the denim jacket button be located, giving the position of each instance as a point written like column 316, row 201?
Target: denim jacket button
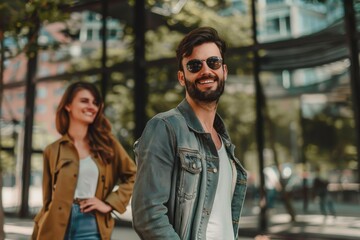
column 215, row 170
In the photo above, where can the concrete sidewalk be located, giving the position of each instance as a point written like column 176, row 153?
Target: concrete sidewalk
column 310, row 225
column 21, row 229
column 314, row 227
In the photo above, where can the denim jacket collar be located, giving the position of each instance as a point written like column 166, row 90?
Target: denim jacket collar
column 193, row 122
column 190, row 117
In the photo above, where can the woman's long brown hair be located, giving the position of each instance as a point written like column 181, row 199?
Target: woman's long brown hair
column 99, row 133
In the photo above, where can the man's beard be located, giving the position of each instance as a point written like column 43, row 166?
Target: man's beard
column 208, row 95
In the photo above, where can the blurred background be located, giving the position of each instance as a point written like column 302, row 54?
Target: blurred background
column 291, row 101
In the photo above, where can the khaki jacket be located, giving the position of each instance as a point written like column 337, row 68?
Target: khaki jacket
column 61, row 167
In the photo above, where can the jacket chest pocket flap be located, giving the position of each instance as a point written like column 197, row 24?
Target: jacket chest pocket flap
column 189, row 173
column 62, row 163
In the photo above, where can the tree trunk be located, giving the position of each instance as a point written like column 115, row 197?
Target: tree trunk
column 2, row 233
column 263, row 222
column 2, row 216
column 140, row 89
column 284, row 194
column 352, row 43
column 29, row 119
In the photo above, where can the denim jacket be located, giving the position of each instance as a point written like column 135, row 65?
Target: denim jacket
column 177, row 177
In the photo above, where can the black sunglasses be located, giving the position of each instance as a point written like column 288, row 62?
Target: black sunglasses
column 195, row 65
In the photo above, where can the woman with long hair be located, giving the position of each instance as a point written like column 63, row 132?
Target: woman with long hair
column 87, row 173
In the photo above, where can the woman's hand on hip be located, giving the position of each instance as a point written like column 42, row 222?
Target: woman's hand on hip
column 90, row 204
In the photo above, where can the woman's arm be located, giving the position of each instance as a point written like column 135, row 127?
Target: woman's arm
column 125, row 169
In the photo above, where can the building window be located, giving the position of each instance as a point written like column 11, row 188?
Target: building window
column 41, row 93
column 41, row 108
column 287, row 24
column 45, row 57
column 113, row 34
column 89, row 34
column 20, row 95
column 90, row 16
column 16, row 65
column 273, row 26
column 59, row 92
column 278, row 26
column 20, row 110
column 44, row 71
column 8, row 97
column 100, row 32
column 59, row 55
column 274, row 1
column 61, row 68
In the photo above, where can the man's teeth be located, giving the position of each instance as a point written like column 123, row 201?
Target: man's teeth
column 206, row 81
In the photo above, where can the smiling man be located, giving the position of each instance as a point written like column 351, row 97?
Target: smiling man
column 189, row 183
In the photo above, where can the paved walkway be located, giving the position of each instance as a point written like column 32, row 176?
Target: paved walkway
column 312, row 226
column 306, row 227
column 21, row 229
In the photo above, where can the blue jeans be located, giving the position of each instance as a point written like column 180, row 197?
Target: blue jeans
column 326, row 202
column 81, row 225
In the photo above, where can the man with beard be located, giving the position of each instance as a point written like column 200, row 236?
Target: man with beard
column 189, row 184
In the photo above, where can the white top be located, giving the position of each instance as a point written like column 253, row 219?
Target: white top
column 220, row 225
column 87, row 178
column 271, row 178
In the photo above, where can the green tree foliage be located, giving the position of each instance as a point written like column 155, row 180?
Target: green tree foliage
column 232, row 24
column 19, row 18
column 330, row 138
column 10, row 11
column 161, row 42
column 237, row 110
column 22, row 21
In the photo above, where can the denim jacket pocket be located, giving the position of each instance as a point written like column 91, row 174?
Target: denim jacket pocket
column 187, row 190
column 189, row 173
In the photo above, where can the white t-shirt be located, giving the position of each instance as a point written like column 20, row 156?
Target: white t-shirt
column 87, row 178
column 220, row 226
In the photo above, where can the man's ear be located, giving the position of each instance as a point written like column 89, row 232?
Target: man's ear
column 225, row 71
column 181, row 78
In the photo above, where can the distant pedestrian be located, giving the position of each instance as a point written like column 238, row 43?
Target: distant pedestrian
column 272, row 185
column 81, row 170
column 320, row 189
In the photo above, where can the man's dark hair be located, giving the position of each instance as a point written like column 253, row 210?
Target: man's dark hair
column 197, row 37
